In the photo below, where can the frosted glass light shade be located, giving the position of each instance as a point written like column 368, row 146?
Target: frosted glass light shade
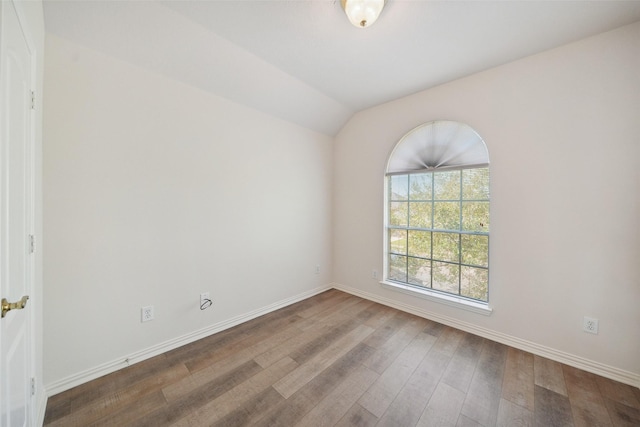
column 362, row 13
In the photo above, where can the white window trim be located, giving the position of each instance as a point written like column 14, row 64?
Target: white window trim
column 423, row 149
column 442, row 298
column 451, row 300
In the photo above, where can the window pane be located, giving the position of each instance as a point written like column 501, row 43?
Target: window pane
column 398, row 214
column 446, row 215
column 475, row 250
column 420, row 243
column 398, row 241
column 399, row 187
column 445, row 247
column 446, row 277
column 420, row 272
column 420, row 186
column 398, row 268
column 451, row 200
column 446, row 185
column 474, row 283
column 475, row 216
column 475, row 184
column 420, row 214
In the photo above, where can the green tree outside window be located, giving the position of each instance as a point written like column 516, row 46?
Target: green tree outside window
column 438, row 231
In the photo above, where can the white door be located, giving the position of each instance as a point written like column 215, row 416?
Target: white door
column 16, row 218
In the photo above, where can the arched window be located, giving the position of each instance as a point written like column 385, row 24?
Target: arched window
column 437, row 213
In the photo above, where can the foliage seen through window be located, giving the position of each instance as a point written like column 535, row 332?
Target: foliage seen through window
column 439, row 231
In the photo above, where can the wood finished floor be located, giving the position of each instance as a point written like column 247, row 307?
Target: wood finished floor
column 339, row 360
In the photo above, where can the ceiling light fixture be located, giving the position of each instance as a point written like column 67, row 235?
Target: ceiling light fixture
column 362, row 13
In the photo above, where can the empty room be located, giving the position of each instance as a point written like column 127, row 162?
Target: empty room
column 306, row 213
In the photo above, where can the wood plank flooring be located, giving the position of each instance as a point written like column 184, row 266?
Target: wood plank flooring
column 339, row 360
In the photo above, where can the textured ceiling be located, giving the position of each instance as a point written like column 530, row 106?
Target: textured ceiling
column 304, row 62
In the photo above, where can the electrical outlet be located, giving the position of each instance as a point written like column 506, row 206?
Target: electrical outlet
column 147, row 313
column 204, row 297
column 590, row 325
column 205, row 301
column 318, row 269
column 374, row 274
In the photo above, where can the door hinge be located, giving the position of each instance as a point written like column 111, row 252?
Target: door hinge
column 33, row 100
column 33, row 386
column 32, row 243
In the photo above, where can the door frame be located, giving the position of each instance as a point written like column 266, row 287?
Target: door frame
column 31, row 19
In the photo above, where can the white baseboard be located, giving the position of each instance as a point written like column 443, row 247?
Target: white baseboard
column 611, row 372
column 112, row 366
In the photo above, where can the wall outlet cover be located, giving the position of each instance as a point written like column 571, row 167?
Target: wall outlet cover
column 147, row 313
column 590, row 325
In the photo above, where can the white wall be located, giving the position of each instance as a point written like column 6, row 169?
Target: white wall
column 562, row 129
column 155, row 192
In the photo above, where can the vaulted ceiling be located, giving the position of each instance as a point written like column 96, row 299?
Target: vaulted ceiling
column 303, row 61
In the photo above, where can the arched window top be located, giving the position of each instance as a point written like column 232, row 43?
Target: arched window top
column 439, row 144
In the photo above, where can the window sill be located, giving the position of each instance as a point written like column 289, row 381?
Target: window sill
column 450, row 300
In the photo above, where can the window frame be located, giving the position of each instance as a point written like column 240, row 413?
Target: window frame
column 441, row 296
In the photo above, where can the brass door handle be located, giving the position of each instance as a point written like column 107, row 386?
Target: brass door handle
column 7, row 306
